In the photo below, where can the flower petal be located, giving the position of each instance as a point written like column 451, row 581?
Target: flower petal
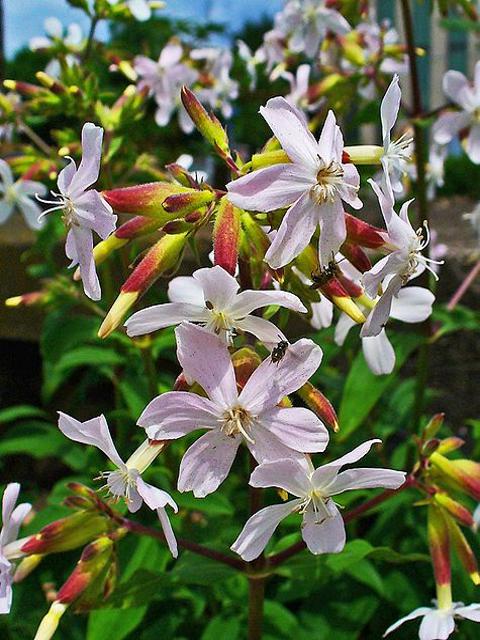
column 287, row 474
column 163, row 315
column 259, row 529
column 95, row 213
column 186, row 289
column 93, row 432
column 205, row 359
column 448, row 125
column 295, row 232
column 471, row 612
column 207, row 462
column 333, row 230
column 248, row 301
column 473, row 144
column 379, row 353
column 412, row 304
column 89, row 167
column 378, row 318
column 153, row 497
column 290, row 128
column 323, row 536
column 389, row 109
column 298, row 428
column 262, row 329
column 176, row 413
column 324, row 475
column 366, row 478
column 79, row 248
column 66, row 176
column 31, row 212
column 322, row 313
column 421, row 611
column 12, row 517
column 454, row 84
column 271, row 188
column 219, row 287
column 168, row 531
column 436, row 625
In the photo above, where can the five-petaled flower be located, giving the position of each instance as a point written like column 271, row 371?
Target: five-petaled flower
column 85, row 210
column 314, row 183
column 251, row 416
column 467, row 96
column 19, row 194
column 210, row 297
column 12, row 518
column 323, row 529
column 126, row 481
column 439, row 623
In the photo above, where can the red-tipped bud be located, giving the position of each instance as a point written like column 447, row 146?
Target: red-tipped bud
column 356, row 255
column 433, row 427
column 162, row 258
column 144, row 199
column 181, row 175
column 352, row 288
column 50, row 83
column 463, row 551
column 245, row 361
column 319, row 404
column 336, row 293
column 463, row 474
column 24, row 88
column 438, row 540
column 183, row 203
column 447, row 445
column 363, row 233
column 454, row 508
column 181, row 383
column 226, row 236
column 176, row 226
column 27, row 299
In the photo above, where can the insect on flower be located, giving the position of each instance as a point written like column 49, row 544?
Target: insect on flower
column 279, row 351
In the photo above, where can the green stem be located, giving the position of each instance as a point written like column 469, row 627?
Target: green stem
column 421, row 199
column 256, row 577
column 91, row 35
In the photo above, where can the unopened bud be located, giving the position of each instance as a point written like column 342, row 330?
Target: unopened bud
column 464, row 474
column 26, row 299
column 26, row 566
column 319, row 404
column 50, row 622
column 356, row 255
column 438, row 540
column 245, row 361
column 50, row 83
column 183, row 203
column 463, row 551
column 24, row 88
column 268, row 158
column 454, row 508
column 433, row 427
column 365, row 154
column 447, row 445
column 363, row 233
column 226, row 236
column 144, row 199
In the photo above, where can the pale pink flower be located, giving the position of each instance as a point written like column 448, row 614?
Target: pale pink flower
column 211, row 298
column 18, row 194
column 400, row 266
column 85, row 210
column 12, row 518
column 439, row 623
column 314, row 183
column 140, row 9
column 251, row 416
column 323, row 530
column 467, row 96
column 126, row 482
column 299, row 87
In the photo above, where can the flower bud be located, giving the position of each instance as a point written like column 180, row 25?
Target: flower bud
column 364, row 234
column 226, row 236
column 457, row 510
column 438, row 541
column 364, row 154
column 268, row 158
column 245, row 361
column 463, row 550
column 26, row 566
column 335, row 292
column 356, row 255
column 50, row 83
column 463, row 474
column 432, row 428
column 319, row 404
column 24, row 88
column 161, row 258
column 183, row 203
column 50, row 622
column 447, row 445
column 27, row 299
column 145, row 199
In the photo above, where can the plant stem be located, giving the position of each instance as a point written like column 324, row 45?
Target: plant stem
column 194, row 547
column 35, row 138
column 256, row 577
column 91, row 35
column 465, row 285
column 421, row 198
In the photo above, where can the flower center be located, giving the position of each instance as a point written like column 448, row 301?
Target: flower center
column 120, row 483
column 319, row 502
column 237, row 421
column 400, row 150
column 219, row 321
column 329, row 178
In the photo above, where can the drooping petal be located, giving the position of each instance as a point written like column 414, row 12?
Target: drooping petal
column 186, row 289
column 168, row 531
column 470, row 612
column 176, row 413
column 323, row 535
column 436, row 625
column 389, row 109
column 164, row 315
column 290, row 128
column 219, row 287
column 366, row 478
column 271, row 382
column 271, row 188
column 79, row 248
column 6, row 210
column 333, row 230
column 262, row 329
column 295, row 232
column 380, row 314
column 207, row 462
column 259, row 529
column 324, row 475
column 93, row 432
column 379, row 353
column 89, row 167
column 248, row 301
column 322, row 314
column 344, row 324
column 412, row 304
column 205, row 359
column 417, row 613
column 95, row 213
column 153, row 497
column 287, row 474
column 298, row 428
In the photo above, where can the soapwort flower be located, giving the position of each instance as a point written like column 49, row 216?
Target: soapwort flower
column 12, row 518
column 323, row 529
column 210, row 297
column 19, row 194
column 312, row 185
column 251, row 416
column 439, row 622
column 126, row 481
column 84, row 209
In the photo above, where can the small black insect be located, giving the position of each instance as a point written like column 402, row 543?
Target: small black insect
column 323, row 275
column 279, row 351
column 209, row 305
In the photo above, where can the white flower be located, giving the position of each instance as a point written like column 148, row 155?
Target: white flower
column 85, row 210
column 323, row 529
column 467, row 97
column 12, row 518
column 439, row 623
column 210, row 297
column 19, row 194
column 140, row 9
column 126, row 482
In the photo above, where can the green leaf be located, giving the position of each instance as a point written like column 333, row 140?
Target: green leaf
column 279, row 617
column 215, row 504
column 19, row 412
column 222, row 627
column 141, row 588
column 193, row 569
column 363, row 389
column 113, row 624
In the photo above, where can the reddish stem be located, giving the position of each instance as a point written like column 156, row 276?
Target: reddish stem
column 463, row 288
